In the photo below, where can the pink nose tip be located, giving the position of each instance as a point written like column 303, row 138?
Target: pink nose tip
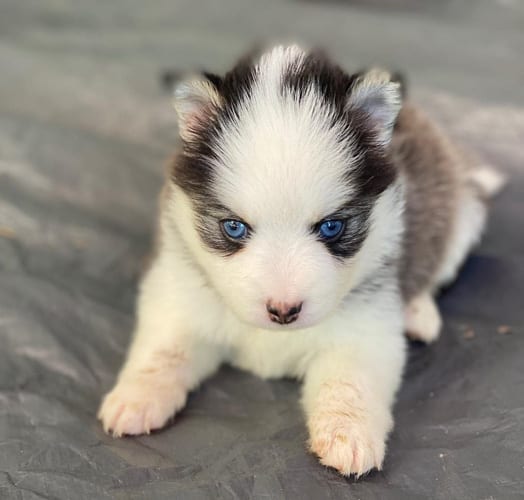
column 283, row 313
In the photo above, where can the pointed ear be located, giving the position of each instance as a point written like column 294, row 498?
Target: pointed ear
column 376, row 94
column 194, row 99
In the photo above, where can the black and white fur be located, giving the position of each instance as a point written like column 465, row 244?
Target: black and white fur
column 282, row 143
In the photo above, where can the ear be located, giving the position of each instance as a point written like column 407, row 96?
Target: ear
column 194, row 99
column 380, row 97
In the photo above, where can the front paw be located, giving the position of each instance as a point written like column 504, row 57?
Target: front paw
column 349, row 435
column 138, row 406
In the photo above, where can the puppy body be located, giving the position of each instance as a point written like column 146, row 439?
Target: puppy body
column 445, row 213
column 284, row 146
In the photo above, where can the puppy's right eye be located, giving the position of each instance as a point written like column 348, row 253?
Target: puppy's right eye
column 234, row 229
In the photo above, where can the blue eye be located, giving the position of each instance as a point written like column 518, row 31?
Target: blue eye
column 235, row 229
column 330, row 229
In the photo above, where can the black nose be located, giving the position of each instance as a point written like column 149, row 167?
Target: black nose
column 282, row 313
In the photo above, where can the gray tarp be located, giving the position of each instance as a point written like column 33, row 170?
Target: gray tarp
column 84, row 130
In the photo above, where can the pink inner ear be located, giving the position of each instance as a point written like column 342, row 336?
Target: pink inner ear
column 195, row 116
column 194, row 121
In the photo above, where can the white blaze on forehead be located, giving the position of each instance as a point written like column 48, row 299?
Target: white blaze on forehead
column 274, row 64
column 283, row 157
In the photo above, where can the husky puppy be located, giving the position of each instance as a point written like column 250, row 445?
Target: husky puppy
column 306, row 224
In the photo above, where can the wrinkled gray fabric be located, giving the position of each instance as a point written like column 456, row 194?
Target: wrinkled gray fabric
column 84, row 130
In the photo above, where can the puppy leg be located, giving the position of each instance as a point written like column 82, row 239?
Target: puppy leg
column 164, row 363
column 348, row 395
column 489, row 180
column 422, row 318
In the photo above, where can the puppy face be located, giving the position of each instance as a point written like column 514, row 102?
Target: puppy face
column 282, row 177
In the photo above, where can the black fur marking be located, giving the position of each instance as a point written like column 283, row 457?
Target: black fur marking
column 214, row 79
column 328, row 78
column 374, row 172
column 208, row 227
column 208, row 224
column 236, row 86
column 356, row 214
column 194, row 171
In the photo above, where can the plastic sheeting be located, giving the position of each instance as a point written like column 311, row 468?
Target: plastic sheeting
column 84, row 129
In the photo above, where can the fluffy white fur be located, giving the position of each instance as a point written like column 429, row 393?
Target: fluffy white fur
column 280, row 169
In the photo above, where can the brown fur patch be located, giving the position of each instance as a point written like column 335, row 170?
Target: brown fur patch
column 435, row 171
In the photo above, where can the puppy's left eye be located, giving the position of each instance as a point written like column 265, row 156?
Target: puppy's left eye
column 234, row 229
column 330, row 230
